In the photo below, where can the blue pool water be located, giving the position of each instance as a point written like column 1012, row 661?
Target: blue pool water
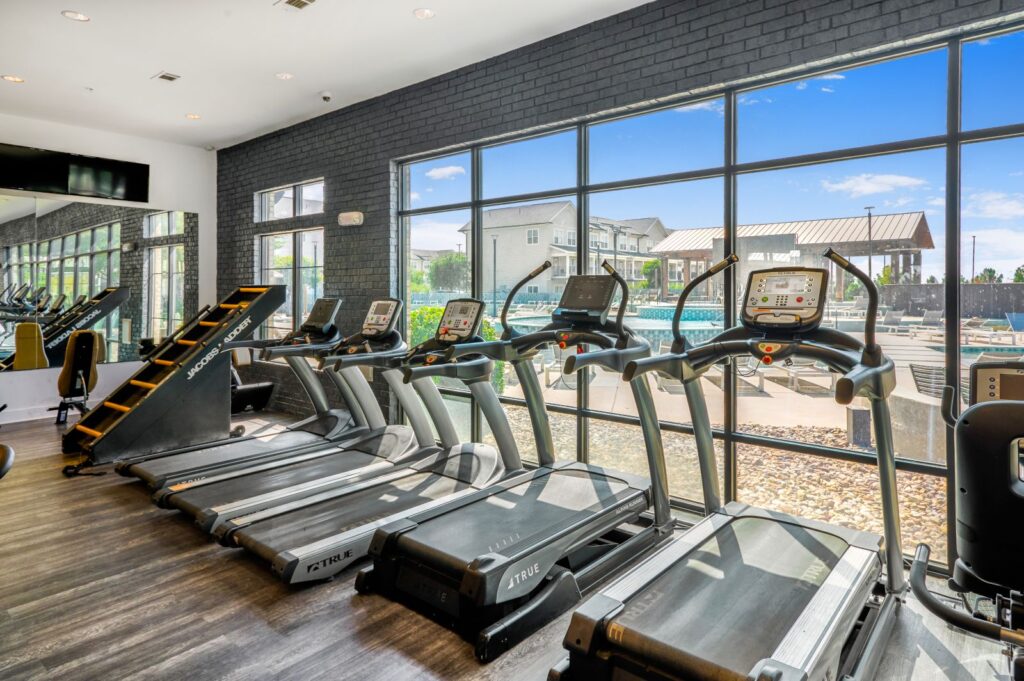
column 656, row 331
column 695, row 313
column 974, row 350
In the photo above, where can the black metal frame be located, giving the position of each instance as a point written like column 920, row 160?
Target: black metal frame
column 951, row 141
column 295, row 285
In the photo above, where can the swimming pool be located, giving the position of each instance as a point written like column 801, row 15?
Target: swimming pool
column 656, row 331
column 694, row 313
column 974, row 350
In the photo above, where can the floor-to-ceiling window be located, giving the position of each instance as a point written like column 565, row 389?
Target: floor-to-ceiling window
column 909, row 165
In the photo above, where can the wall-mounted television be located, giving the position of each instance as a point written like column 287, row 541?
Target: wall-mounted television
column 56, row 172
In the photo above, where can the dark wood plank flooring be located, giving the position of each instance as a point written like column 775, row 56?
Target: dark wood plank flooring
column 97, row 583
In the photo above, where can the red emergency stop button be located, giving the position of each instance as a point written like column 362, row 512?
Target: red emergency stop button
column 444, row 330
column 799, row 299
column 561, row 344
column 766, row 359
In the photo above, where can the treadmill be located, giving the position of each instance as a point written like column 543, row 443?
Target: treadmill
column 314, row 538
column 749, row 593
column 327, row 425
column 219, row 497
column 498, row 564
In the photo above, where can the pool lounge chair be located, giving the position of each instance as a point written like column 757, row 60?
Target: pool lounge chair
column 798, row 367
column 1016, row 322
column 977, row 328
column 890, row 323
column 930, row 322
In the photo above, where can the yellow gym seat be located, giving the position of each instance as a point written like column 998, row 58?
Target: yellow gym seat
column 28, row 347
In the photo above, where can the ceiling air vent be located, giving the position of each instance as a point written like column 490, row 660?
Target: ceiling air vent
column 297, row 4
column 169, row 77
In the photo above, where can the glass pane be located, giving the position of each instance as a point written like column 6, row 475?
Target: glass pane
column 673, row 140
column 278, row 203
column 68, row 282
column 100, row 236
column 884, row 102
column 115, row 268
column 436, row 182
column 790, row 217
column 532, row 165
column 842, row 492
column 55, row 248
column 992, row 251
column 69, row 244
column 115, row 235
column 43, row 250
column 85, row 241
column 991, row 91
column 156, row 225
column 311, row 198
column 177, row 225
column 177, row 313
column 100, row 272
column 563, row 433
column 83, row 280
column 653, row 237
column 438, row 268
column 516, row 239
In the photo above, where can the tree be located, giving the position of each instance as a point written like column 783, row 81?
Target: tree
column 988, row 276
column 885, row 277
column 418, row 282
column 450, row 272
column 932, row 279
column 853, row 289
column 1018, row 275
column 652, row 273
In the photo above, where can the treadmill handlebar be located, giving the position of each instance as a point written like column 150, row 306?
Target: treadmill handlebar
column 469, row 368
column 388, row 358
column 612, row 359
column 871, row 350
column 310, row 347
column 678, row 341
column 620, row 330
column 948, row 400
column 508, row 331
column 500, row 350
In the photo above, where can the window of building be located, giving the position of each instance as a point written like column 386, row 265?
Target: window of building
column 305, row 198
column 295, row 260
column 532, row 236
column 531, row 288
column 163, row 224
column 164, row 273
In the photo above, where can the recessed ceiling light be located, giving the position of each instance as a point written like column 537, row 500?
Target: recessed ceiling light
column 423, row 13
column 73, row 15
column 284, row 75
column 13, row 79
column 193, row 117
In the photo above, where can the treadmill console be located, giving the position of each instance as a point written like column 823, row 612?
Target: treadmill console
column 382, row 318
column 992, row 381
column 587, row 299
column 460, row 321
column 321, row 317
column 787, row 298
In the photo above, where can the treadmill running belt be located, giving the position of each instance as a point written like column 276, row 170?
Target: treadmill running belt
column 730, row 603
column 501, row 521
column 231, row 490
column 156, row 469
column 313, row 523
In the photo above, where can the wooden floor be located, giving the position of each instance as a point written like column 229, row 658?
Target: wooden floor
column 97, row 583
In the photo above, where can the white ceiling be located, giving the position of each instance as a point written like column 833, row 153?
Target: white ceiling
column 13, row 207
column 227, row 53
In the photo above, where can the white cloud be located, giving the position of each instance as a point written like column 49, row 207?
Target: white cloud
column 436, row 235
column 866, row 184
column 802, row 85
column 1017, row 173
column 898, row 203
column 748, row 101
column 715, row 105
column 827, row 89
column 445, row 172
column 937, row 201
column 832, row 76
column 414, row 196
column 995, row 205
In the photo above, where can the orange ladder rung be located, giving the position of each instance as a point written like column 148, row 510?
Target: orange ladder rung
column 118, row 407
column 163, row 362
column 206, row 323
column 230, row 306
column 142, row 384
column 252, row 289
column 183, row 341
column 88, row 431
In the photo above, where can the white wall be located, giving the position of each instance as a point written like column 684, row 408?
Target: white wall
column 30, row 394
column 180, row 177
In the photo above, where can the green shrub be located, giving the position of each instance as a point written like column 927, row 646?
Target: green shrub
column 423, row 324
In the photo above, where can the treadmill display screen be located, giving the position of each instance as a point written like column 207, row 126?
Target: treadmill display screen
column 588, row 292
column 322, row 314
column 459, row 320
column 786, row 284
column 381, row 316
column 1011, row 386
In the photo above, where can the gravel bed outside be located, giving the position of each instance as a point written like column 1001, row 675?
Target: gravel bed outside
column 835, row 491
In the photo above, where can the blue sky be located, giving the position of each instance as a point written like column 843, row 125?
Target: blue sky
column 882, row 102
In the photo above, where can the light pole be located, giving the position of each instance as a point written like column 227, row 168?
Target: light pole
column 870, row 246
column 494, row 275
column 974, row 244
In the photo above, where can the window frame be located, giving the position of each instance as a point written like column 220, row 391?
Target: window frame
column 260, row 197
column 951, row 141
column 295, row 277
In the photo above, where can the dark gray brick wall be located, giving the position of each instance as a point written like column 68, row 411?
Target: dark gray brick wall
column 653, row 51
column 78, row 216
